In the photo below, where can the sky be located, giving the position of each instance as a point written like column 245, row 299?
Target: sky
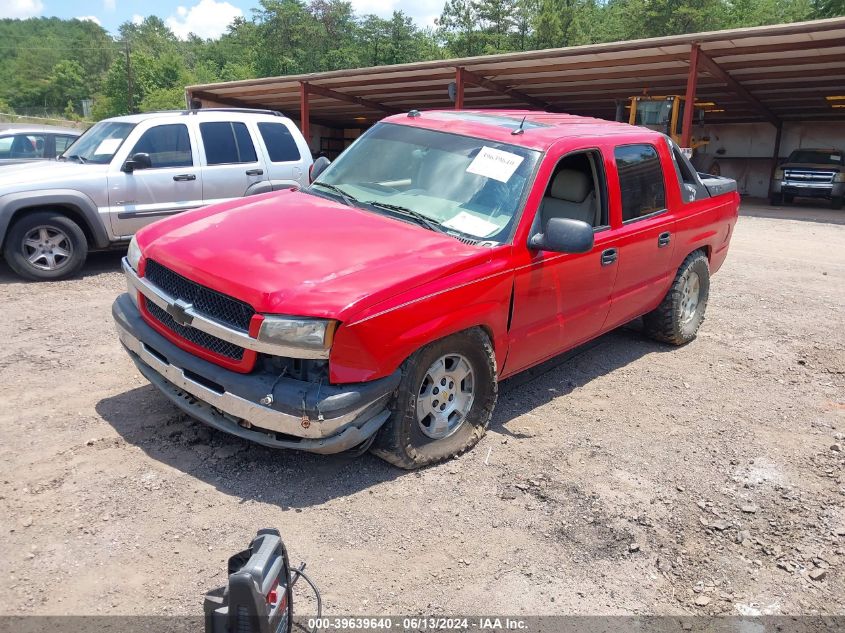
column 206, row 18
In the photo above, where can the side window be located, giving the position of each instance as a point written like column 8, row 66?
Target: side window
column 62, row 143
column 27, row 146
column 6, row 146
column 167, row 145
column 577, row 190
column 227, row 143
column 281, row 146
column 640, row 180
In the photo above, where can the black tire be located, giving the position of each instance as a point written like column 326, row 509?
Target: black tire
column 18, row 253
column 401, row 441
column 775, row 199
column 788, row 199
column 836, row 203
column 667, row 323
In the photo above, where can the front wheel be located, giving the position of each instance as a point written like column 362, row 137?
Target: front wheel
column 444, row 402
column 45, row 245
column 679, row 316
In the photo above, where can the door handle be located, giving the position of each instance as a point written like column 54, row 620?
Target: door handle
column 608, row 256
column 663, row 239
column 254, row 172
column 183, row 177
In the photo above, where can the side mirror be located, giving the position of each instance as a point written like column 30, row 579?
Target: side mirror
column 318, row 168
column 141, row 160
column 563, row 235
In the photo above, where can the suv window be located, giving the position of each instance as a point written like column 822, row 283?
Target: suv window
column 227, row 142
column 640, row 181
column 63, row 142
column 27, row 146
column 577, row 190
column 279, row 141
column 167, row 145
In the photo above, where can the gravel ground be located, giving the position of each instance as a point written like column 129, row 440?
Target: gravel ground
column 626, row 478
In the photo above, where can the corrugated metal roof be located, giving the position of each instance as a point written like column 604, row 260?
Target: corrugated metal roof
column 787, row 70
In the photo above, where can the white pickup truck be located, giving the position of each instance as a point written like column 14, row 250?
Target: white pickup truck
column 128, row 171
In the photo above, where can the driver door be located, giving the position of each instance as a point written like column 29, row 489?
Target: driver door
column 172, row 184
column 561, row 300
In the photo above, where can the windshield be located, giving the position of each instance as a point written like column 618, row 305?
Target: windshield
column 653, row 112
column 99, row 143
column 461, row 185
column 817, row 156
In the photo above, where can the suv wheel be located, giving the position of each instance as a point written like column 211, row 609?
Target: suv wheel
column 444, row 402
column 679, row 316
column 45, row 245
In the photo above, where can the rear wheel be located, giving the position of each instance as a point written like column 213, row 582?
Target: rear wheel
column 444, row 402
column 45, row 245
column 681, row 313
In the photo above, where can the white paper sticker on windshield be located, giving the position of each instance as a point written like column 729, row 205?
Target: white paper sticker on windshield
column 495, row 164
column 108, row 146
column 836, row 158
column 468, row 223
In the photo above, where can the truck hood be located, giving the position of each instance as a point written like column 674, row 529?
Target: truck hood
column 46, row 173
column 298, row 254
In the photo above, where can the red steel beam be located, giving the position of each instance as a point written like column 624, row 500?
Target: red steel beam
column 304, row 112
column 689, row 104
column 342, row 96
column 496, row 86
column 459, row 88
column 716, row 71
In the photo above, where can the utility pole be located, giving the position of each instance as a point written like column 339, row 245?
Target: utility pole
column 128, row 79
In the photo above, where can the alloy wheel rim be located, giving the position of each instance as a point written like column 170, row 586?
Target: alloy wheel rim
column 445, row 396
column 690, row 294
column 47, row 248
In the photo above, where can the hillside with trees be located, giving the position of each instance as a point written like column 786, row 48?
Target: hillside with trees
column 49, row 66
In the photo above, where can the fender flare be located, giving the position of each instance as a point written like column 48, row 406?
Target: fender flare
column 81, row 204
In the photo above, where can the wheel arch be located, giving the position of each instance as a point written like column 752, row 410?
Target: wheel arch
column 74, row 205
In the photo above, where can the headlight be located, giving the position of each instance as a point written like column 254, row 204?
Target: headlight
column 133, row 255
column 300, row 333
column 778, row 174
column 840, row 177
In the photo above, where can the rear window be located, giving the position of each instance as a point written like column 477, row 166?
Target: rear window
column 280, row 142
column 226, row 143
column 641, row 181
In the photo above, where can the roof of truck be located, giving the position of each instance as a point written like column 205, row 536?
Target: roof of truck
column 145, row 116
column 539, row 130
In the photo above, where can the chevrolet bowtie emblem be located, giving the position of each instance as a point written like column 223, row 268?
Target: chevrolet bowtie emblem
column 179, row 311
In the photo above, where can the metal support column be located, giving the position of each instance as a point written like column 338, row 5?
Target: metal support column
column 689, row 104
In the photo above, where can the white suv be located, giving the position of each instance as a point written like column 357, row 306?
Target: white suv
column 129, row 171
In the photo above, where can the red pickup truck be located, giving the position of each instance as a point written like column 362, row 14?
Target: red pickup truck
column 442, row 252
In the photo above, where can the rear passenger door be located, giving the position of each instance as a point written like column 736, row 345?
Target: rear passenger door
column 645, row 239
column 285, row 166
column 230, row 163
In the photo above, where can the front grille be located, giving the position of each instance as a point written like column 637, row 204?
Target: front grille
column 197, row 337
column 210, row 303
column 805, row 175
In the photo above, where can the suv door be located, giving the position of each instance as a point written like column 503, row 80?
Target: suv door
column 283, row 156
column 645, row 237
column 231, row 165
column 561, row 299
column 170, row 185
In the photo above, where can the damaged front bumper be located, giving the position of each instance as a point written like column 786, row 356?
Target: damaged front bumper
column 300, row 415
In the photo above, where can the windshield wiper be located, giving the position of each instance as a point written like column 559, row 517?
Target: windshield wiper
column 349, row 200
column 76, row 157
column 421, row 219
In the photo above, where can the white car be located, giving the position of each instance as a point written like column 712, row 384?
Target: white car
column 126, row 172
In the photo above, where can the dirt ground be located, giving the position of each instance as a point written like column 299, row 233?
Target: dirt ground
column 630, row 478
